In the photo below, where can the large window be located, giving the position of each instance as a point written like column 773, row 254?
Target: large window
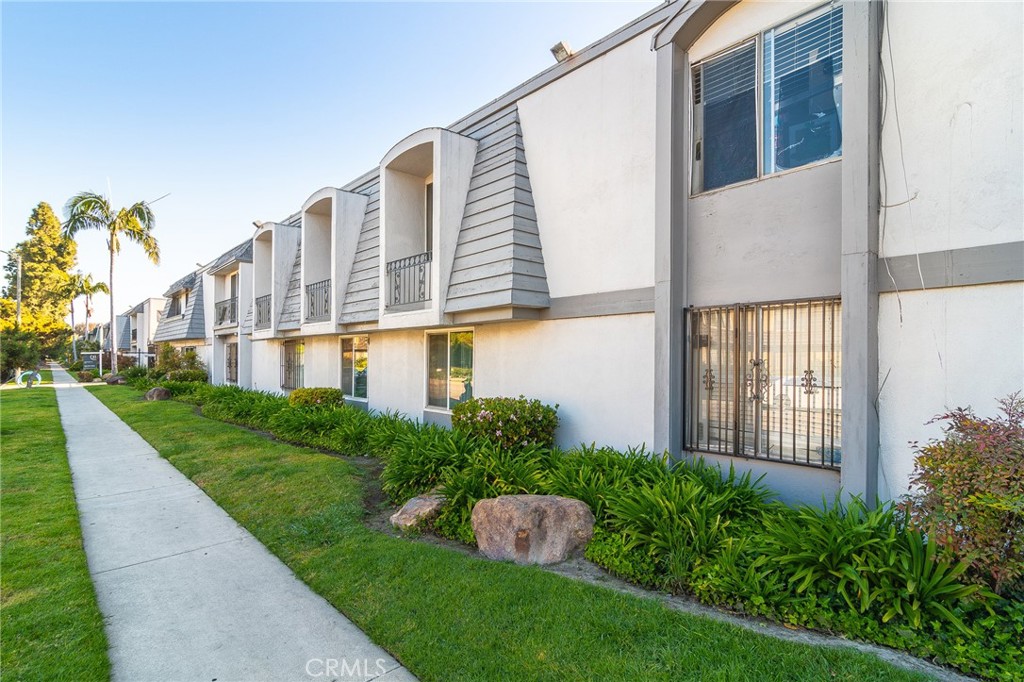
column 292, row 364
column 798, row 120
column 354, row 365
column 764, row 381
column 450, row 368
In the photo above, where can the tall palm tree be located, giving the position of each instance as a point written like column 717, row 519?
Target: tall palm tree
column 83, row 285
column 91, row 211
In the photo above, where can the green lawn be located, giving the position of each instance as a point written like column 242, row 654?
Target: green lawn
column 49, row 622
column 47, row 376
column 445, row 615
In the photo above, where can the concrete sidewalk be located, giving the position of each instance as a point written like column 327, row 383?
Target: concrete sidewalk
column 187, row 593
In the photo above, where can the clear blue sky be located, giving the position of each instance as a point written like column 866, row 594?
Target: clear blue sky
column 241, row 110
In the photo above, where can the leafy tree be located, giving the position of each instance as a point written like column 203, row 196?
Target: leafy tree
column 91, row 211
column 18, row 349
column 47, row 257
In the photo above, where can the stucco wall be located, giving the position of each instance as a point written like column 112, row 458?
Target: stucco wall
column 266, row 366
column 599, row 370
column 953, row 348
column 589, row 140
column 322, row 362
column 956, row 75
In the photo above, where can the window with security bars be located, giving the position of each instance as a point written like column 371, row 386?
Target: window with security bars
column 231, row 362
column 763, row 381
column 292, row 364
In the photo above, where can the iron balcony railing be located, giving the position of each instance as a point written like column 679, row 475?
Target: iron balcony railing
column 318, row 300
column 409, row 279
column 262, row 312
column 226, row 312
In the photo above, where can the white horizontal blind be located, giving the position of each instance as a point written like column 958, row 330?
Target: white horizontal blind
column 790, row 48
column 725, row 77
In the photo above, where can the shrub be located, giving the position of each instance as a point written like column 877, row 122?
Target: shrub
column 385, row 429
column 594, row 474
column 76, row 366
column 509, row 422
column 609, row 551
column 316, row 397
column 85, row 377
column 970, row 497
column 249, row 408
column 489, row 471
column 419, row 457
column 135, row 372
column 339, row 429
column 198, row 375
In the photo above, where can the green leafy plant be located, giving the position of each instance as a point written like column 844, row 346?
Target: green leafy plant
column 419, row 457
column 835, row 548
column 970, row 493
column 510, row 422
column 324, row 397
column 85, row 377
column 920, row 585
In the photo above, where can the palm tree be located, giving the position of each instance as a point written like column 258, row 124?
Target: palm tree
column 91, row 211
column 83, row 285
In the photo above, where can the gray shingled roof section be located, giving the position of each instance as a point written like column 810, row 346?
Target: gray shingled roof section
column 498, row 259
column 186, row 282
column 241, row 253
column 124, row 332
column 190, row 325
column 137, row 309
column 361, row 302
column 291, row 309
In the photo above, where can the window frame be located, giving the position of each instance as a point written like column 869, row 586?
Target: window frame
column 341, row 368
column 448, row 374
column 299, row 373
column 228, row 378
column 759, row 114
column 746, row 382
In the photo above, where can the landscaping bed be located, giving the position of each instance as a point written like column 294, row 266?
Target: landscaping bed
column 444, row 614
column 50, row 624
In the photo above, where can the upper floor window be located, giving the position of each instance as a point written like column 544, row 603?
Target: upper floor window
column 355, row 366
column 779, row 92
column 178, row 304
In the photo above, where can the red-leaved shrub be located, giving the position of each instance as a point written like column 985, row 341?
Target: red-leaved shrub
column 969, row 495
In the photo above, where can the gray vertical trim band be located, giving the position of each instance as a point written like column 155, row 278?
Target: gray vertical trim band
column 862, row 25
column 988, row 264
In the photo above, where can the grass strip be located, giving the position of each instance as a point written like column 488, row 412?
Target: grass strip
column 50, row 625
column 445, row 615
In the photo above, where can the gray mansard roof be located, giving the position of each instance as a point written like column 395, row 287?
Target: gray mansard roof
column 241, row 253
column 191, row 324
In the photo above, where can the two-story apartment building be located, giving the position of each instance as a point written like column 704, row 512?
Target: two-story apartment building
column 229, row 276
column 780, row 235
column 187, row 321
column 143, row 319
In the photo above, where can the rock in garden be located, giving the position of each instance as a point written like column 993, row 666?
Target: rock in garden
column 417, row 511
column 532, row 529
column 158, row 393
column 115, row 379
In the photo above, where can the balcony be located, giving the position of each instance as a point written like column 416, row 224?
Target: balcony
column 409, row 280
column 262, row 312
column 318, row 301
column 226, row 312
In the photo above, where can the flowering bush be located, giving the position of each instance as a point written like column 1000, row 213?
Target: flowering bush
column 311, row 397
column 970, row 497
column 509, row 422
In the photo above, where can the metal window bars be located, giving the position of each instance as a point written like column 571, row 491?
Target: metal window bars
column 262, row 312
column 763, row 381
column 226, row 311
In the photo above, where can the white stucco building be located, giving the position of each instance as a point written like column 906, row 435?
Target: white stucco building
column 781, row 235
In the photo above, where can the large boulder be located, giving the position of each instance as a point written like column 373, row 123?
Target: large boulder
column 115, row 380
column 532, row 529
column 417, row 512
column 158, row 393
